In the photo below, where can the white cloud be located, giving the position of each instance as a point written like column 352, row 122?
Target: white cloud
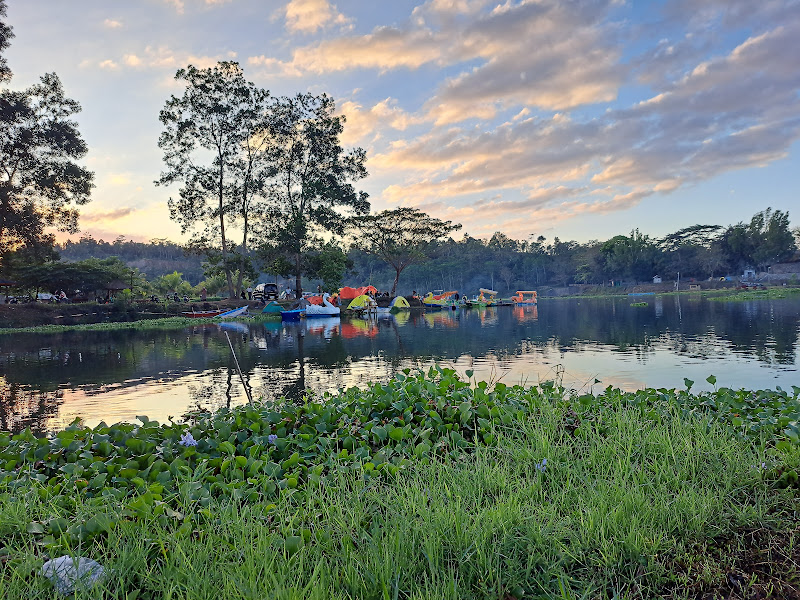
column 163, row 57
column 368, row 125
column 112, row 24
column 736, row 110
column 307, row 16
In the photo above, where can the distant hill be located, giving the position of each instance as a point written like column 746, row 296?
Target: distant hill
column 156, row 258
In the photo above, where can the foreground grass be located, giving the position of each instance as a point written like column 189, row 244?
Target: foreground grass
column 551, row 497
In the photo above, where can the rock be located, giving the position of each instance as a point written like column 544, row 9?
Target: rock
column 66, row 573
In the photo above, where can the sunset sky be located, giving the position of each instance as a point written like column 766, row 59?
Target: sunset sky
column 581, row 119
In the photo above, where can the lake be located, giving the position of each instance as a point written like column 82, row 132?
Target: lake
column 47, row 380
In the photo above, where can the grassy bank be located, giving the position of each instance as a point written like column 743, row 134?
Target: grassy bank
column 423, row 488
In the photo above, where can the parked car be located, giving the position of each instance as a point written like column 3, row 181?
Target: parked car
column 265, row 292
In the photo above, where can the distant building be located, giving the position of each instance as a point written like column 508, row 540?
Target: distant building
column 749, row 274
column 657, row 279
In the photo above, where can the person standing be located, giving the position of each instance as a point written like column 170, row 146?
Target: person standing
column 203, row 294
column 249, row 293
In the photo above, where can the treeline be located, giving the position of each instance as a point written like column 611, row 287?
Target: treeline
column 276, row 195
column 155, row 258
column 699, row 251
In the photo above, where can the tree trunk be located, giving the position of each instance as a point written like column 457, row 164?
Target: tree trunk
column 225, row 265
column 396, row 278
column 298, row 279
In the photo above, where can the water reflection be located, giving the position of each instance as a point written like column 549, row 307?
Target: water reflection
column 48, row 379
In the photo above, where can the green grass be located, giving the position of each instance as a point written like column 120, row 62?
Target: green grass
column 607, row 517
column 443, row 493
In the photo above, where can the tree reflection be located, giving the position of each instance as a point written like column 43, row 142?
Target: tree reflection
column 21, row 408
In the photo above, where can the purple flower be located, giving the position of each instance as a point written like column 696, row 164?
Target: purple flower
column 541, row 466
column 187, row 440
column 272, row 438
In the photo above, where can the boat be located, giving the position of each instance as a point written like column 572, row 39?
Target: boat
column 325, row 310
column 232, row 314
column 297, row 311
column 441, row 300
column 202, row 314
column 525, row 298
column 485, row 298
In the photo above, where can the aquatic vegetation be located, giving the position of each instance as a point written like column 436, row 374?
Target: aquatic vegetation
column 639, row 304
column 142, row 324
column 773, row 293
column 429, row 477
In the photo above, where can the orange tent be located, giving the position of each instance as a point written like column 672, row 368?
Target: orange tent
column 348, row 293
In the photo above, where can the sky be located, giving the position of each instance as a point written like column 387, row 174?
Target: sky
column 579, row 119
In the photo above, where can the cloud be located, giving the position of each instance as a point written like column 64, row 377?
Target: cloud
column 177, row 4
column 163, row 57
column 368, row 125
column 111, row 215
column 112, row 24
column 514, row 54
column 733, row 110
column 307, row 16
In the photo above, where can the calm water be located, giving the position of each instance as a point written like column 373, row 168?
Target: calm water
column 46, row 380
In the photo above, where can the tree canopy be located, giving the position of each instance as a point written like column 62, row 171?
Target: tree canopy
column 313, row 177
column 6, row 34
column 400, row 237
column 214, row 140
column 41, row 183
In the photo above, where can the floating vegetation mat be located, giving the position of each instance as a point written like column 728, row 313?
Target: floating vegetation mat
column 429, row 482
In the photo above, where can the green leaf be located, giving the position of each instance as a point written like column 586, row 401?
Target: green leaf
column 35, row 528
column 227, row 448
column 711, row 379
column 380, row 432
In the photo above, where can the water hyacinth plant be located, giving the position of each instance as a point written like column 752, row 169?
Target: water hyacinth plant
column 645, row 468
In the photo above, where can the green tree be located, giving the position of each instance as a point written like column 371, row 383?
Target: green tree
column 41, row 185
column 767, row 239
column 329, row 264
column 313, row 177
column 224, row 120
column 171, row 283
column 6, row 34
column 629, row 257
column 774, row 241
column 400, row 237
column 89, row 276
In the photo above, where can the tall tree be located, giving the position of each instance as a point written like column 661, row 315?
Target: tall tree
column 774, row 239
column 767, row 239
column 5, row 41
column 41, row 185
column 222, row 119
column 313, row 177
column 400, row 237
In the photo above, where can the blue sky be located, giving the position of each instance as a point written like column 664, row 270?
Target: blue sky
column 581, row 119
